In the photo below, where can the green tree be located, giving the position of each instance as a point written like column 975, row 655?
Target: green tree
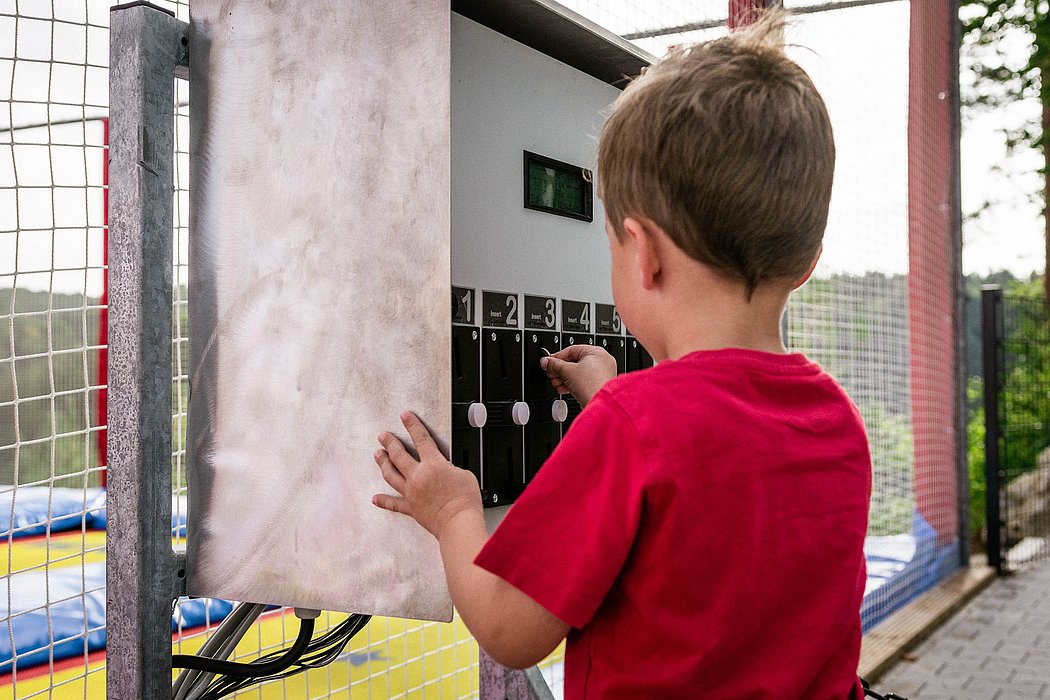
column 996, row 76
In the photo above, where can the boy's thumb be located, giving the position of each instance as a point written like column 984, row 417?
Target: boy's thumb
column 550, row 364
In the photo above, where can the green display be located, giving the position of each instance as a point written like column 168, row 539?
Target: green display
column 556, row 187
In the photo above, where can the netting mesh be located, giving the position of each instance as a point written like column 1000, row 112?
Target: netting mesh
column 853, row 318
column 53, row 87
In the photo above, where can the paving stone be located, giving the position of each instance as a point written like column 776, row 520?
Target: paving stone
column 1031, row 689
column 977, row 691
column 1033, row 674
column 997, row 646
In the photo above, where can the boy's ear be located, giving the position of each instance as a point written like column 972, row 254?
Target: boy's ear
column 644, row 235
column 812, row 266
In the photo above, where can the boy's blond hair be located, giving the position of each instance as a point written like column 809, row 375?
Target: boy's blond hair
column 727, row 146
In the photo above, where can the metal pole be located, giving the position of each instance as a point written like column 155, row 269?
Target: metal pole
column 500, row 683
column 103, row 313
column 962, row 472
column 716, row 23
column 991, row 310
column 146, row 45
column 744, row 12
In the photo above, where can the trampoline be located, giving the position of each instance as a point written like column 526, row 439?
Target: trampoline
column 53, row 602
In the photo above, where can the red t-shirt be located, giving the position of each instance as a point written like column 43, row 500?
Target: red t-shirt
column 701, row 528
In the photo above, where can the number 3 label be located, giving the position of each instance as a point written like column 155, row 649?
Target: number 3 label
column 540, row 313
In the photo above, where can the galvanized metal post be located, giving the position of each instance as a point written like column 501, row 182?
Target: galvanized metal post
column 500, row 683
column 991, row 345
column 146, row 46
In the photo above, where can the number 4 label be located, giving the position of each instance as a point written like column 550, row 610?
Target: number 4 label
column 575, row 316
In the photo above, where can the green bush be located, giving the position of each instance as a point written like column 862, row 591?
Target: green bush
column 1025, row 407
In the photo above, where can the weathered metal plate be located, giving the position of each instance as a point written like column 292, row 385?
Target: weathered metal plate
column 319, row 278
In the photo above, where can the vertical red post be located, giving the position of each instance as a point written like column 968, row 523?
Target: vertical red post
column 744, row 12
column 933, row 265
column 103, row 314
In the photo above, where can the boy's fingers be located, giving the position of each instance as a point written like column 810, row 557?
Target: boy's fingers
column 394, row 503
column 552, row 366
column 418, row 432
column 555, row 373
column 572, row 353
column 397, row 453
column 390, row 473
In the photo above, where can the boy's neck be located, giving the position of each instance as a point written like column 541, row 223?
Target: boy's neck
column 713, row 313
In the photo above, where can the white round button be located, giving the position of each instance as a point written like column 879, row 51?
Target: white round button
column 477, row 415
column 520, row 413
column 559, row 411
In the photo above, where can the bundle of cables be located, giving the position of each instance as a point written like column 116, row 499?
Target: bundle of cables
column 869, row 693
column 209, row 675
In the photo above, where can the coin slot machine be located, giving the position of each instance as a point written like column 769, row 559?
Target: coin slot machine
column 476, row 177
column 528, row 238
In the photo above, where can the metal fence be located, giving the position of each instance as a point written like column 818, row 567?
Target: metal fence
column 1016, row 350
column 853, row 318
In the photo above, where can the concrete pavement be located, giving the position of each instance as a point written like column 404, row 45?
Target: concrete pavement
column 996, row 647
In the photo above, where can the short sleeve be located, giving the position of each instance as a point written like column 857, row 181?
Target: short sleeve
column 566, row 539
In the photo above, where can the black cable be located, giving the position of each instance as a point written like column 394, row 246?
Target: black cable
column 321, row 651
column 869, row 693
column 254, row 669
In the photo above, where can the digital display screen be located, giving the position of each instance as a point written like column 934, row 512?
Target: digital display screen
column 558, row 188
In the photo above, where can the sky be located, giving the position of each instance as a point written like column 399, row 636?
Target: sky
column 857, row 57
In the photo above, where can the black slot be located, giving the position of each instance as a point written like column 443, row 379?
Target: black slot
column 466, row 364
column 637, row 356
column 574, row 410
column 537, row 385
column 504, row 464
column 501, row 365
column 615, row 345
column 466, row 450
column 574, row 405
column 541, row 437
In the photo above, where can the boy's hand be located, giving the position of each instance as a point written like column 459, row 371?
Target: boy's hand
column 580, row 370
column 433, row 491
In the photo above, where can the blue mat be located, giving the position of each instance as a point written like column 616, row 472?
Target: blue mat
column 34, row 506
column 900, row 567
column 97, row 514
column 77, row 614
column 67, row 509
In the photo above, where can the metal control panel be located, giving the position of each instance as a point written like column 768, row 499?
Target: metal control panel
column 530, row 273
column 507, row 418
column 319, row 308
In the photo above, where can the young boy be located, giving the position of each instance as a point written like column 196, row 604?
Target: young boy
column 699, row 531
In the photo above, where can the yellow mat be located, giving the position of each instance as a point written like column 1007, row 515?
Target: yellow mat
column 61, row 549
column 390, row 657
